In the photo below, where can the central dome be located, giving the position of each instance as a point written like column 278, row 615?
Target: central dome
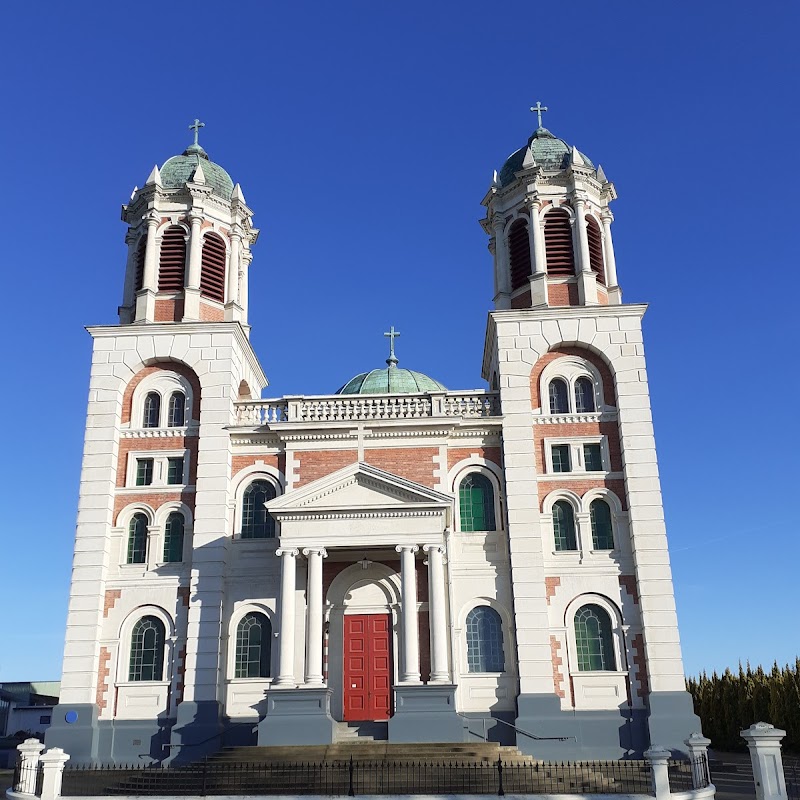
column 548, row 151
column 391, row 380
column 180, row 169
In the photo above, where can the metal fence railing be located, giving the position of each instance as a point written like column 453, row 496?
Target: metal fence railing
column 353, row 778
column 687, row 775
column 791, row 773
column 27, row 778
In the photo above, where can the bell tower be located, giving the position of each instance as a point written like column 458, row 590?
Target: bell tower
column 548, row 214
column 189, row 240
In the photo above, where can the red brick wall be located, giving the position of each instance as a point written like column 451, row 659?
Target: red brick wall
column 156, row 446
column 154, row 500
column 605, row 373
column 209, row 313
column 640, row 663
column 319, row 463
column 607, row 429
column 456, row 454
column 581, row 487
column 562, row 294
column 277, row 461
column 170, row 366
column 555, row 657
column 522, row 300
column 412, row 463
column 103, row 671
column 628, row 583
column 169, row 310
column 550, row 586
column 112, row 595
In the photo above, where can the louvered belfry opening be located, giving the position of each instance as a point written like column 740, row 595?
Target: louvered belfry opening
column 172, row 263
column 138, row 280
column 519, row 252
column 558, row 243
column 212, row 272
column 595, row 249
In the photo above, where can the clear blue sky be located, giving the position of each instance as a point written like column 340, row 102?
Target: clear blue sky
column 364, row 135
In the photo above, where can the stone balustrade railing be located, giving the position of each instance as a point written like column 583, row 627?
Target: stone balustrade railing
column 347, row 408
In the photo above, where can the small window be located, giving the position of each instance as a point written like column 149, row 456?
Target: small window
column 559, row 396
column 584, row 396
column 564, row 526
column 602, row 534
column 592, row 458
column 484, row 640
column 147, row 650
column 476, row 503
column 560, row 455
column 152, row 410
column 144, row 471
column 253, row 646
column 256, row 522
column 174, row 471
column 173, row 537
column 593, row 640
column 44, row 719
column 137, row 539
column 176, row 416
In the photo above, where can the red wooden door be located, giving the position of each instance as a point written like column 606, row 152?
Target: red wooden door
column 367, row 667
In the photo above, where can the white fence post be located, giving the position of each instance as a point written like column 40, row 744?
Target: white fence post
column 658, row 757
column 53, row 761
column 29, row 752
column 697, row 747
column 764, row 742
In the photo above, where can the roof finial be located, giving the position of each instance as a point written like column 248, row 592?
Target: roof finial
column 196, row 128
column 538, row 108
column 392, row 334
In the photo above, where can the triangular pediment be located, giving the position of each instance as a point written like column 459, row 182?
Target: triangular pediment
column 358, row 487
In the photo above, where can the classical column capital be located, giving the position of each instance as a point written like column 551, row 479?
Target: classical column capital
column 152, row 218
column 413, row 548
column 292, row 552
column 607, row 216
column 427, row 548
column 498, row 222
column 320, row 551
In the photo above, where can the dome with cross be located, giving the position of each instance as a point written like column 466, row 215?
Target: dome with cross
column 548, row 151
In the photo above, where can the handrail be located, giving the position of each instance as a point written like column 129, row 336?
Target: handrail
column 224, row 730
column 518, row 730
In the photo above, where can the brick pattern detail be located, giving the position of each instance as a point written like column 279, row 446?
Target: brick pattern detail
column 209, row 313
column 169, row 366
column 112, row 595
column 456, row 454
column 244, row 391
column 412, row 463
column 169, row 310
column 319, row 463
column 602, row 296
column 183, row 595
column 522, row 300
column 605, row 373
column 562, row 294
column 640, row 662
column 628, row 583
column 180, row 669
column 550, row 586
column 154, row 500
column 558, row 678
column 277, row 461
column 103, row 671
column 126, row 446
column 608, row 429
column 581, row 487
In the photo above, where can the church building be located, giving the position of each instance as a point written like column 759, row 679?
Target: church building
column 396, row 558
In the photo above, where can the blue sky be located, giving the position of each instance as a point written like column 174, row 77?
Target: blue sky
column 364, row 135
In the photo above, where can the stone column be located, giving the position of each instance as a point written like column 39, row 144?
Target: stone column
column 286, row 623
column 29, row 752
column 146, row 298
column 697, row 747
column 53, row 768
column 315, row 612
column 502, row 266
column 129, row 288
column 191, row 294
column 658, row 757
column 410, row 628
column 764, row 742
column 440, row 672
column 610, row 261
column 538, row 257
column 587, row 280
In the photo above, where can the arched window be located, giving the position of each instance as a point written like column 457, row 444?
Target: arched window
column 476, row 503
column 519, row 254
column 173, row 537
column 558, row 243
column 138, row 275
column 485, row 640
column 602, row 534
column 256, row 522
column 595, row 249
column 594, row 640
column 176, row 414
column 253, row 645
column 137, row 539
column 559, row 396
column 584, row 396
column 152, row 410
column 564, row 526
column 172, row 262
column 212, row 268
column 147, row 650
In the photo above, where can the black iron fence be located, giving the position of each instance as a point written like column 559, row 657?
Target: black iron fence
column 791, row 773
column 362, row 778
column 687, row 775
column 27, row 777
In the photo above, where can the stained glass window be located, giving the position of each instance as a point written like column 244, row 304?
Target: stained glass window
column 564, row 526
column 476, row 503
column 602, row 534
column 137, row 539
column 256, row 522
column 176, row 414
column 173, row 537
column 147, row 650
column 253, row 645
column 560, row 454
column 584, row 396
column 593, row 639
column 152, row 410
column 559, row 396
column 485, row 640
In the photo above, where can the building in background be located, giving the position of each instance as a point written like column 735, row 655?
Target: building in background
column 434, row 563
column 26, row 709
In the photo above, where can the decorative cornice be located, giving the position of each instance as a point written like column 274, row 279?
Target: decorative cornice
column 159, row 433
column 333, row 514
column 560, row 312
column 569, row 419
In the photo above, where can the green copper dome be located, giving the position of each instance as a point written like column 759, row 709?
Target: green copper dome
column 548, row 151
column 391, row 380
column 180, row 169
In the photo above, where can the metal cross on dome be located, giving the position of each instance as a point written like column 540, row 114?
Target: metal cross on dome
column 538, row 108
column 392, row 334
column 196, row 128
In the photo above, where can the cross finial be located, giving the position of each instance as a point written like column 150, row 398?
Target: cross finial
column 196, row 128
column 538, row 108
column 392, row 334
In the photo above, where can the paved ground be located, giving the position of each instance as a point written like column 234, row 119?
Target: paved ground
column 5, row 781
column 732, row 774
